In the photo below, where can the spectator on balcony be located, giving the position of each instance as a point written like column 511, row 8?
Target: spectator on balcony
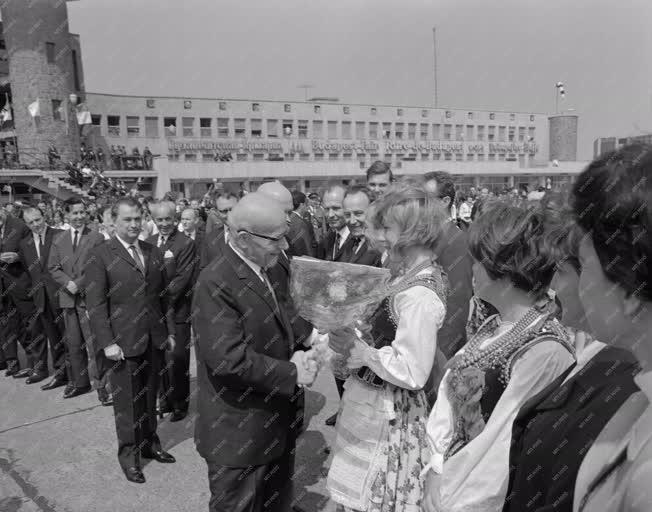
column 147, row 158
column 59, row 221
column 100, row 158
column 90, row 156
column 53, row 156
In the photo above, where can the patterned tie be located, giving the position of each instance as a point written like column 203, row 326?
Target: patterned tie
column 134, row 255
column 75, row 241
column 336, row 247
column 40, row 246
column 161, row 240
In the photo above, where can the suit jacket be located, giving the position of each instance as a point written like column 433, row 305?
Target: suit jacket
column 43, row 285
column 125, row 306
column 212, row 246
column 179, row 270
column 246, row 397
column 65, row 265
column 14, row 278
column 326, row 248
column 555, row 427
column 301, row 237
column 365, row 255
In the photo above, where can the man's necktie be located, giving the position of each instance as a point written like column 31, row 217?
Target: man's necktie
column 75, row 241
column 357, row 242
column 336, row 247
column 40, row 246
column 134, row 255
column 268, row 283
column 161, row 241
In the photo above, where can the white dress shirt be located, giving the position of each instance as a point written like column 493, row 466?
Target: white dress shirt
column 38, row 240
column 72, row 234
column 138, row 249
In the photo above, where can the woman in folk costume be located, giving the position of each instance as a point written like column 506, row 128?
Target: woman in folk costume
column 381, row 446
column 512, row 356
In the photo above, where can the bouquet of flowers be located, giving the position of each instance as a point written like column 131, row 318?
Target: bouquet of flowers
column 332, row 295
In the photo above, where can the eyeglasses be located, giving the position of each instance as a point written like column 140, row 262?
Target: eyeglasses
column 277, row 239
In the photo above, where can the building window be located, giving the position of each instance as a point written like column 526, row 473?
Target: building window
column 469, row 157
column 501, row 134
column 501, row 157
column 205, row 127
column 521, row 133
column 346, row 110
column 458, row 157
column 287, row 107
column 113, row 123
column 388, row 158
column 317, row 129
column 424, row 113
column 359, row 130
column 412, row 131
column 374, row 111
column 222, row 127
column 449, row 114
column 272, row 128
column 387, row 130
column 480, row 157
column 333, row 156
column 316, row 109
column 239, row 128
column 346, row 129
column 241, row 157
column 436, row 156
column 448, row 156
column 469, row 132
column 255, row 107
column 530, row 134
column 187, row 124
column 492, row 133
column 49, row 52
column 491, row 157
column 96, row 120
column 332, row 129
column 373, row 130
column 435, row 131
column 319, row 157
column 207, row 157
column 170, row 124
column 56, row 110
column 492, row 116
column 447, row 131
column 303, row 129
column 256, row 128
column 458, row 132
column 187, row 104
column 151, row 127
column 469, row 115
column 399, row 112
column 531, row 118
column 511, row 133
column 304, row 157
column 480, row 132
column 259, row 157
column 423, row 132
column 150, row 103
column 425, row 157
column 288, row 128
column 512, row 117
column 347, row 156
column 222, row 105
column 190, row 157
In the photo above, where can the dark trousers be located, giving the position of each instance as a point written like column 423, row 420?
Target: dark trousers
column 19, row 322
column 175, row 382
column 134, row 383
column 50, row 329
column 76, row 356
column 265, row 488
column 98, row 365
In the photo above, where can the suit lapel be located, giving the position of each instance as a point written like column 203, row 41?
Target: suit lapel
column 355, row 256
column 122, row 252
column 83, row 240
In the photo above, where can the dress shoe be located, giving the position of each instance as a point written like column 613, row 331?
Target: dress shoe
column 158, row 455
column 104, row 397
column 178, row 415
column 56, row 382
column 332, row 420
column 77, row 391
column 12, row 369
column 21, row 374
column 134, row 474
column 36, row 377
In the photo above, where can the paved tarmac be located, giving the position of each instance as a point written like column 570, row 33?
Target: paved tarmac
column 60, row 455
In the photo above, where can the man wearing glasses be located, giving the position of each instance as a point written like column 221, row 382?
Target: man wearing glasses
column 215, row 235
column 249, row 363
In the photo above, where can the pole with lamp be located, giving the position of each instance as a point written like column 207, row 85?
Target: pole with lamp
column 560, row 92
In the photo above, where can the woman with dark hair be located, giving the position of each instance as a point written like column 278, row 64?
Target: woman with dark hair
column 612, row 204
column 512, row 357
column 555, row 428
column 381, row 446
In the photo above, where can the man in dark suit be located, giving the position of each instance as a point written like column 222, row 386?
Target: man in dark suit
column 336, row 242
column 453, row 255
column 34, row 251
column 247, row 366
column 132, row 323
column 179, row 257
column 86, row 366
column 17, row 311
column 356, row 202
column 301, row 236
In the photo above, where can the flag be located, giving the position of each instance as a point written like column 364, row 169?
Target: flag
column 560, row 88
column 34, row 109
column 83, row 115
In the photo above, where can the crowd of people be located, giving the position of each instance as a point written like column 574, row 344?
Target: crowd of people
column 507, row 370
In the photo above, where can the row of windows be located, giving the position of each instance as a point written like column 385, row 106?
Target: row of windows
column 290, row 128
column 346, row 110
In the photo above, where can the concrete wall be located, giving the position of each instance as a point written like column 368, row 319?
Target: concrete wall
column 563, row 138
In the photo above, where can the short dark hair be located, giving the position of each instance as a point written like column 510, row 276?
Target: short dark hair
column 612, row 202
column 127, row 201
column 313, row 195
column 298, row 198
column 360, row 189
column 562, row 232
column 380, row 167
column 510, row 242
column 445, row 184
column 69, row 203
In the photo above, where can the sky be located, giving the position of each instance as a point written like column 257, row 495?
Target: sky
column 499, row 55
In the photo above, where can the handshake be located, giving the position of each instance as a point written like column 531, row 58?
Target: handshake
column 308, row 364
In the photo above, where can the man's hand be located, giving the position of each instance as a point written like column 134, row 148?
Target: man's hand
column 9, row 257
column 72, row 287
column 170, row 343
column 114, row 352
column 306, row 372
column 431, row 501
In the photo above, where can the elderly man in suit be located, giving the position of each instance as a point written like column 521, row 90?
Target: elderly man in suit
column 133, row 325
column 86, row 366
column 334, row 245
column 17, row 311
column 34, row 253
column 356, row 201
column 248, row 365
column 179, row 257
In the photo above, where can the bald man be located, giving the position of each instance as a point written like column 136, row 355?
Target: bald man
column 300, row 237
column 249, row 363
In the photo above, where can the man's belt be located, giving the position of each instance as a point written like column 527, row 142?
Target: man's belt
column 368, row 376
